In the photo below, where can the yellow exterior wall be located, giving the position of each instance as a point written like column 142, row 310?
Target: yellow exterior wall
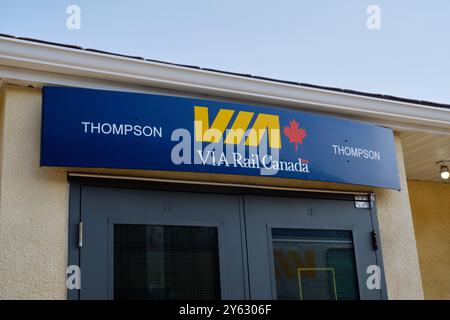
column 430, row 204
column 34, row 210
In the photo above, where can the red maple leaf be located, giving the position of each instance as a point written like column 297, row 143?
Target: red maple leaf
column 294, row 133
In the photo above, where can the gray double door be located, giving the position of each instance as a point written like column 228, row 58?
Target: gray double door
column 149, row 244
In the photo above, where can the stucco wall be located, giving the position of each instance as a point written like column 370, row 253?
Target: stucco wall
column 430, row 204
column 34, row 209
column 397, row 238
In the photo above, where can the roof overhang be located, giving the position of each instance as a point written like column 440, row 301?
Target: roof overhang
column 41, row 63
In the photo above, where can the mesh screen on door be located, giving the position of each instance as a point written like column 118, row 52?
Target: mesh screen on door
column 166, row 262
column 312, row 264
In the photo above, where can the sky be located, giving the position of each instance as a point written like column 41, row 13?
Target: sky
column 323, row 42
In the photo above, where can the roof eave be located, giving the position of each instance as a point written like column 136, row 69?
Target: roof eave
column 62, row 62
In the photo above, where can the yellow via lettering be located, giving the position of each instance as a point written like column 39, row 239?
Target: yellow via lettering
column 264, row 122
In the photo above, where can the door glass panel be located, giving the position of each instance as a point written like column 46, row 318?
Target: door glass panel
column 314, row 264
column 166, row 262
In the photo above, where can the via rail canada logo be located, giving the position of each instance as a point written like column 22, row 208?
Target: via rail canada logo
column 241, row 139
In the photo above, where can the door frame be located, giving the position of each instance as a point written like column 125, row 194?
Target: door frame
column 78, row 181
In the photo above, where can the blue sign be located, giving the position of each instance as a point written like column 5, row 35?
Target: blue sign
column 106, row 129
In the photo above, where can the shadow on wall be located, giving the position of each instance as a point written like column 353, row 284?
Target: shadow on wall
column 431, row 214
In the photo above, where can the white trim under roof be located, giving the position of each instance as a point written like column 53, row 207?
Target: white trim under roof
column 42, row 63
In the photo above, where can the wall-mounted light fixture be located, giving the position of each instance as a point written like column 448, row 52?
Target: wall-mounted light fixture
column 445, row 173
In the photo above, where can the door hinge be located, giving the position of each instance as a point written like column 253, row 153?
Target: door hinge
column 362, row 201
column 80, row 234
column 374, row 240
